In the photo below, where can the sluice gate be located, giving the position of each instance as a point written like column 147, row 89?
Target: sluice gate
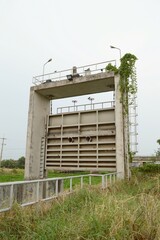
column 82, row 140
column 93, row 139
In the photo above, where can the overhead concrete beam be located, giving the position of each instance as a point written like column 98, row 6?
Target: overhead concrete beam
column 95, row 83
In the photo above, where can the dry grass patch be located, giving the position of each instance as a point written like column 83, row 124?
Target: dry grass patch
column 128, row 210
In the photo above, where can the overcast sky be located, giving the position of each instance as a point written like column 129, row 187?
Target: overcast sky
column 76, row 32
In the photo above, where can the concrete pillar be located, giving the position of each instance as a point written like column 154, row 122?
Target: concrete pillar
column 119, row 129
column 39, row 107
column 127, row 146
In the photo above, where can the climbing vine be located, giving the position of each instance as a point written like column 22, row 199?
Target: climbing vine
column 128, row 79
column 111, row 68
column 127, row 85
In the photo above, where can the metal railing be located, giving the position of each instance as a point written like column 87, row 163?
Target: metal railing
column 81, row 71
column 30, row 192
column 85, row 107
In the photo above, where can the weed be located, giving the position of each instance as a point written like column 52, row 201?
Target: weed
column 127, row 210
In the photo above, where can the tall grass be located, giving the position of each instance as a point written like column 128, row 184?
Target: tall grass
column 127, row 210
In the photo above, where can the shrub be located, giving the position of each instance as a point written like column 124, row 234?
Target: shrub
column 10, row 163
column 150, row 168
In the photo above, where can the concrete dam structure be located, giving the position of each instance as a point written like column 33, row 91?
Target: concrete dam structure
column 77, row 139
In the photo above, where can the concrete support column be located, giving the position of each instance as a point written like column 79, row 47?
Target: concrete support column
column 39, row 108
column 127, row 146
column 120, row 150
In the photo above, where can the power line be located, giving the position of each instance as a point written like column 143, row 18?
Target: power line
column 2, row 145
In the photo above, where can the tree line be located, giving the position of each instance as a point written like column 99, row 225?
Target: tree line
column 10, row 163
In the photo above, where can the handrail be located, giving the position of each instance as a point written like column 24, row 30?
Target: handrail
column 88, row 106
column 59, row 75
column 20, row 191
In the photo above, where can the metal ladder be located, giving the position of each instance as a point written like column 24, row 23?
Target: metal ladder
column 133, row 123
column 42, row 157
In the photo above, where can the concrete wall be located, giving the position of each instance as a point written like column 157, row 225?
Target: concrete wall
column 39, row 107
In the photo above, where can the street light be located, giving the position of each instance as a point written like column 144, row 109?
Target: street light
column 44, row 66
column 69, row 77
column 91, row 99
column 118, row 49
column 74, row 102
column 120, row 62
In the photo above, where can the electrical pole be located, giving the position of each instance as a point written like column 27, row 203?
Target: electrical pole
column 2, row 145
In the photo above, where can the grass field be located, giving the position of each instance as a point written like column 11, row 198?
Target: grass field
column 9, row 175
column 128, row 210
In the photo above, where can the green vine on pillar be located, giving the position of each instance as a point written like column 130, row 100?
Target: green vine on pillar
column 128, row 79
column 127, row 85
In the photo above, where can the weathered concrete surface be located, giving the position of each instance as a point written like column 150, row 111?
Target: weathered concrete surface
column 95, row 83
column 119, row 129
column 27, row 192
column 39, row 107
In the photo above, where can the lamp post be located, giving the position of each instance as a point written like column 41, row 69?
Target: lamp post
column 91, row 99
column 44, row 66
column 117, row 49
column 119, row 59
column 74, row 102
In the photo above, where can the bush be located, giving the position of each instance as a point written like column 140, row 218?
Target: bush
column 20, row 162
column 150, row 168
column 10, row 163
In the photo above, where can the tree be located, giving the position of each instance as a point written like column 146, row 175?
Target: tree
column 158, row 151
column 158, row 141
column 10, row 163
column 20, row 163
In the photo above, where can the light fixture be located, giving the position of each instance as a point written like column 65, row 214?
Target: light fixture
column 91, row 99
column 69, row 77
column 74, row 102
column 44, row 66
column 117, row 49
column 48, row 81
